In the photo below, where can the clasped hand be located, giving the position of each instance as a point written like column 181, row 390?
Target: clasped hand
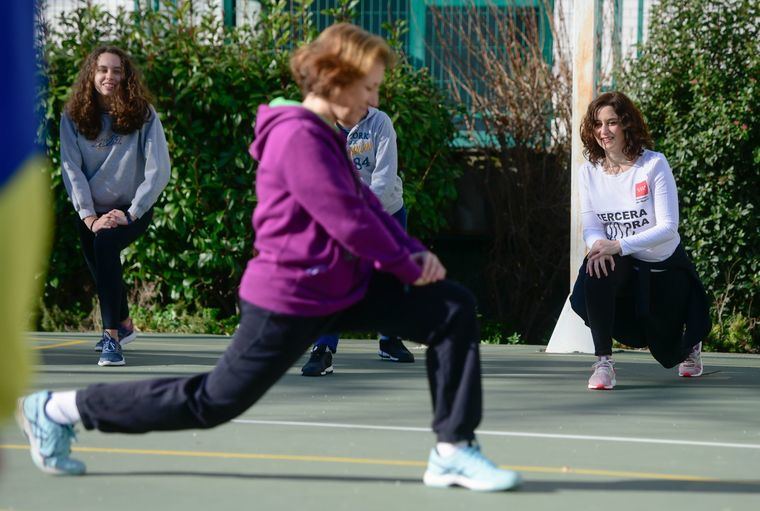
column 109, row 220
column 601, row 254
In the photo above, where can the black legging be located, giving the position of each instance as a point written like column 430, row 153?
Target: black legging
column 102, row 253
column 641, row 304
column 601, row 297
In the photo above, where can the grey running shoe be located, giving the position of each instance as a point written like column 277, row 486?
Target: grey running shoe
column 692, row 366
column 604, row 375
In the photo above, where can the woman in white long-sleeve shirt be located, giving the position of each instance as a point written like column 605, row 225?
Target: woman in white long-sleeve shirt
column 637, row 284
column 114, row 163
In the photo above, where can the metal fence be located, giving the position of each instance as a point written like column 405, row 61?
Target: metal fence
column 422, row 41
column 426, row 44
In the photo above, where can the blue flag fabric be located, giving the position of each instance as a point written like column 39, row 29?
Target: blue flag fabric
column 24, row 190
column 17, row 87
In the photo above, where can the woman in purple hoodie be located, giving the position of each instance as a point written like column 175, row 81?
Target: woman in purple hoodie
column 329, row 258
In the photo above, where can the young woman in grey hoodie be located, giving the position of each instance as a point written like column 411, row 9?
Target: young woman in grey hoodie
column 114, row 163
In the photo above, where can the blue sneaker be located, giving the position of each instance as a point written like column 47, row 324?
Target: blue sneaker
column 126, row 335
column 320, row 361
column 391, row 348
column 111, row 354
column 468, row 467
column 50, row 442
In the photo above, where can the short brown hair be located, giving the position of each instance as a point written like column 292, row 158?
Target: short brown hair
column 342, row 54
column 637, row 137
column 130, row 107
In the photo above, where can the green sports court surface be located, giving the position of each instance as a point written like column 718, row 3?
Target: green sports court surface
column 359, row 439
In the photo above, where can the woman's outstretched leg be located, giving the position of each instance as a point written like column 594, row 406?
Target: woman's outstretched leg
column 264, row 347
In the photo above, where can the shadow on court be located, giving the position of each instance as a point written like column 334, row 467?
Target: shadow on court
column 134, row 358
column 264, row 477
column 750, row 487
column 689, row 487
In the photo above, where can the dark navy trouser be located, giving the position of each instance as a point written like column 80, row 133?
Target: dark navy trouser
column 102, row 252
column 267, row 344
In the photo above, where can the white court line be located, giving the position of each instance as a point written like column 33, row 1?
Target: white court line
column 620, row 439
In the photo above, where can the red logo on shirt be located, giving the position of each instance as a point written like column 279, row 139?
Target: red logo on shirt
column 642, row 190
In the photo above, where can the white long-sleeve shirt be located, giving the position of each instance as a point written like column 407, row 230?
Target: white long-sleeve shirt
column 639, row 207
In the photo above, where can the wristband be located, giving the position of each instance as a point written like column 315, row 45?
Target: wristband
column 92, row 223
column 129, row 218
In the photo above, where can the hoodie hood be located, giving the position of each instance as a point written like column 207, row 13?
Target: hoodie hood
column 370, row 114
column 268, row 117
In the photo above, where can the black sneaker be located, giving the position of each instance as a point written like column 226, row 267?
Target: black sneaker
column 391, row 348
column 320, row 362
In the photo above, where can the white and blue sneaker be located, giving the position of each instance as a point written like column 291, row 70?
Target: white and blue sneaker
column 111, row 354
column 50, row 442
column 467, row 467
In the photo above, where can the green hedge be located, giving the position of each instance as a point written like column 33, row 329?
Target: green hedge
column 696, row 83
column 208, row 81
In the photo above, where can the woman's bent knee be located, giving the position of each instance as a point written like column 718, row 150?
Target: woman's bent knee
column 106, row 241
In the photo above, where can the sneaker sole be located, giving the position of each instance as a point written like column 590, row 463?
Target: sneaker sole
column 327, row 371
column 388, row 356
column 26, row 427
column 103, row 363
column 690, row 375
column 602, row 387
column 448, row 480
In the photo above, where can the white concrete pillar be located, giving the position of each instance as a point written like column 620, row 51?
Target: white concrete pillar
column 570, row 335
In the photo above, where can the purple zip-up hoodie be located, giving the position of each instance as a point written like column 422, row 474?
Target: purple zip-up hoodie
column 319, row 230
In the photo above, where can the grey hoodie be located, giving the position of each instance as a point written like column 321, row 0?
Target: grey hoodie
column 372, row 149
column 114, row 170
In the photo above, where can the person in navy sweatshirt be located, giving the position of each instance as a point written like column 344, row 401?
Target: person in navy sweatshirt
column 329, row 258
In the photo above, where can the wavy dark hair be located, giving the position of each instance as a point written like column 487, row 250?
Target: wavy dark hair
column 130, row 106
column 637, row 137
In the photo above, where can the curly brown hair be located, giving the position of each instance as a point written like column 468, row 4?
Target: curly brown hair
column 637, row 137
column 342, row 54
column 129, row 108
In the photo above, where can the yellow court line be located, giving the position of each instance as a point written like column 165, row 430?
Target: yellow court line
column 611, row 473
column 377, row 461
column 134, row 343
column 59, row 345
